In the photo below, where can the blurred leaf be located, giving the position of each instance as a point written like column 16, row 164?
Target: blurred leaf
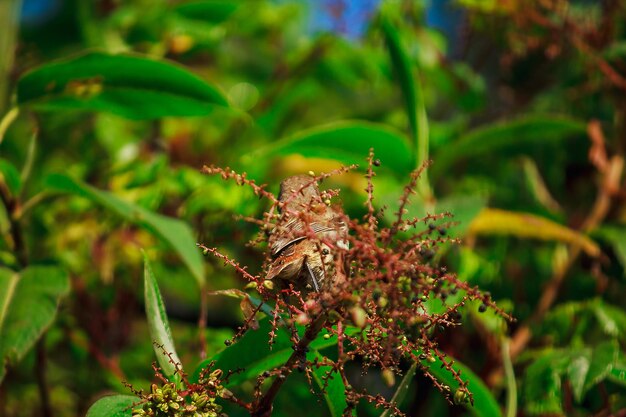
column 517, row 133
column 113, row 406
column 410, row 88
column 157, row 323
column 334, row 389
column 618, row 373
column 132, row 86
column 538, row 186
column 28, row 305
column 526, row 225
column 616, row 236
column 212, row 11
column 603, row 359
column 464, row 208
column 485, row 404
column 403, row 389
column 542, row 384
column 175, row 232
column 347, row 142
column 612, row 319
column 577, row 371
column 10, row 176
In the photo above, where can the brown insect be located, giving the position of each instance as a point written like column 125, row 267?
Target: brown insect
column 304, row 243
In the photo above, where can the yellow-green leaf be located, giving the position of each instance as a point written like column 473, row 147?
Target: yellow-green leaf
column 525, row 225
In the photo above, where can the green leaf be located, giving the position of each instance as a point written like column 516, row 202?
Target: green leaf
column 158, row 324
column 334, row 391
column 252, row 353
column 612, row 320
column 485, row 405
column 526, row 225
column 542, row 384
column 410, row 88
column 488, row 139
column 347, row 142
column 618, row 373
column 10, row 176
column 113, row 406
column 128, row 85
column 212, row 11
column 28, row 304
column 175, row 232
column 577, row 371
column 403, row 388
column 603, row 359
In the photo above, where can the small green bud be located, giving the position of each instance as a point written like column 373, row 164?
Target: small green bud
column 460, row 397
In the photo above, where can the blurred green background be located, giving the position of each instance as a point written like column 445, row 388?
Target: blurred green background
column 520, row 104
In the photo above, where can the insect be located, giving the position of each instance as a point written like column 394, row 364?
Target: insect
column 303, row 244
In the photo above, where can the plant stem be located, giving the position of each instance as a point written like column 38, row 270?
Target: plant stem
column 511, row 385
column 6, row 121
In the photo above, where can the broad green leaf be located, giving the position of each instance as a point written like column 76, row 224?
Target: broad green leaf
column 403, row 388
column 485, row 405
column 113, row 406
column 157, row 323
column 175, row 232
column 212, row 11
column 603, row 359
column 10, row 176
column 488, row 139
column 411, row 89
column 526, row 225
column 28, row 304
column 128, row 85
column 347, row 142
column 542, row 384
column 334, row 391
column 253, row 354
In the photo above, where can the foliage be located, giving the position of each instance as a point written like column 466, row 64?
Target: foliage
column 106, row 125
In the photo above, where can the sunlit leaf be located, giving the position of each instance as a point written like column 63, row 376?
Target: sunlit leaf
column 489, row 139
column 526, row 225
column 113, row 406
column 28, row 305
column 158, row 324
column 175, row 232
column 347, row 142
column 128, row 85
